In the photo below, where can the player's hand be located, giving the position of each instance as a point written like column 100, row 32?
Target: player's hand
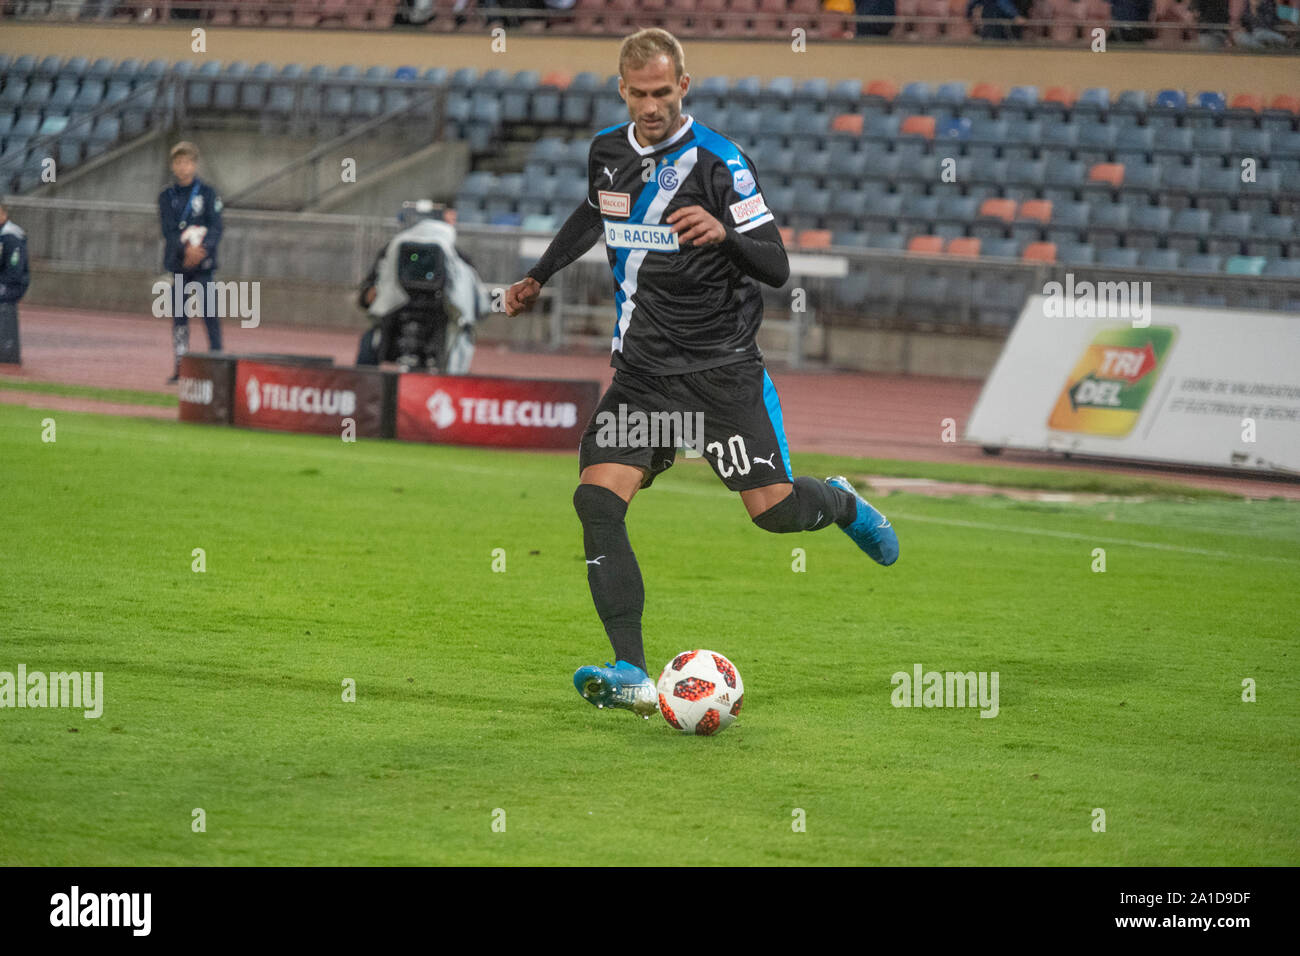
column 521, row 296
column 194, row 255
column 694, row 225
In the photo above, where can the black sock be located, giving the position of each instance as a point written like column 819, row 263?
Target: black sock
column 612, row 571
column 810, row 506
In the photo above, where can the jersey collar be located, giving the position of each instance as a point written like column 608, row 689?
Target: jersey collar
column 656, row 147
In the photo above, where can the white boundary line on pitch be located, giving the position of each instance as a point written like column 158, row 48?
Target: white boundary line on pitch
column 1076, row 536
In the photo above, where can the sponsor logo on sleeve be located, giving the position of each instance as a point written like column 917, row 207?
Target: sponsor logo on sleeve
column 747, row 209
column 615, row 204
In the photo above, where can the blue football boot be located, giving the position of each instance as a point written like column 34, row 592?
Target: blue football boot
column 870, row 530
column 621, row 685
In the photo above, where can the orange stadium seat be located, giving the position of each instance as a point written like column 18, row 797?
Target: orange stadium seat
column 1059, row 94
column 814, row 239
column 988, row 92
column 881, row 88
column 558, row 79
column 1037, row 210
column 963, row 246
column 1112, row 173
column 1284, row 102
column 847, row 123
column 994, row 208
column 1039, row 252
column 787, row 235
column 917, row 126
column 1246, row 101
column 929, row 245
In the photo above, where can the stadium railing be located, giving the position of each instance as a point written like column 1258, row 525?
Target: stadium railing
column 843, row 288
column 926, row 21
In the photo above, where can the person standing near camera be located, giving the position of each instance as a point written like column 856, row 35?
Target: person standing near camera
column 13, row 286
column 189, row 212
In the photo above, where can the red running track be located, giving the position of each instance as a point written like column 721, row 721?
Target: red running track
column 841, row 413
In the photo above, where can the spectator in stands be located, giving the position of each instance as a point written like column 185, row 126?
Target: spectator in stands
column 1259, row 23
column 1173, row 12
column 1213, row 16
column 868, row 8
column 1130, row 11
column 13, row 286
column 995, row 17
column 189, row 212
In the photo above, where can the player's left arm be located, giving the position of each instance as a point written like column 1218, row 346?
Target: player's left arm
column 741, row 224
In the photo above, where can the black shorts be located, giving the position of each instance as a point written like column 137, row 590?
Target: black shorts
column 731, row 413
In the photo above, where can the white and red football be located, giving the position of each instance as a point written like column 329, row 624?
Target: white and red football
column 700, row 692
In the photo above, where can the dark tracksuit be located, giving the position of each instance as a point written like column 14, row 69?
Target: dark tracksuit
column 14, row 278
column 176, row 211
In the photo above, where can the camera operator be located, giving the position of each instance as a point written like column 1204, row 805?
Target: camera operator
column 424, row 297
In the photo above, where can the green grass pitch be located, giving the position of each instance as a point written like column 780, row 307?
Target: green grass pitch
column 373, row 562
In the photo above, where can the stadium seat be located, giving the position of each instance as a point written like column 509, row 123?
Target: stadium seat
column 1039, row 252
column 1245, row 265
column 1118, row 258
column 1200, row 263
column 1161, row 259
column 1075, row 254
column 925, row 244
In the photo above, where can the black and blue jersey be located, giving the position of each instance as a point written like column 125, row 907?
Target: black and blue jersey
column 679, row 308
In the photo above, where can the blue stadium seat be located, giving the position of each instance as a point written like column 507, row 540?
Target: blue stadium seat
column 127, row 70
column 1147, row 225
column 1171, row 100
column 1287, row 268
column 47, row 68
column 1000, row 248
column 39, row 92
column 252, row 96
column 882, row 212
column 1187, row 229
column 1092, row 101
column 845, row 96
column 1202, row 263
column 1166, row 260
column 14, row 94
column 1075, row 254
column 1107, row 222
column 914, row 96
column 779, row 91
column 1118, row 258
column 814, row 94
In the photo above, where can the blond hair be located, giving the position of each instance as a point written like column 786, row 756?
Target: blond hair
column 644, row 45
column 185, row 148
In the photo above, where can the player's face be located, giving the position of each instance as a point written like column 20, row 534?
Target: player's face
column 653, row 94
column 183, row 168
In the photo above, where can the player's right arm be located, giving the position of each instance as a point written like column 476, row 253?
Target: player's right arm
column 578, row 234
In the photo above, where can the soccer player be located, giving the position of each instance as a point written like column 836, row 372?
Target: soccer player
column 689, row 238
column 189, row 214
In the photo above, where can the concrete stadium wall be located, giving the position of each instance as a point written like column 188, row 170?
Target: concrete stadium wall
column 1006, row 64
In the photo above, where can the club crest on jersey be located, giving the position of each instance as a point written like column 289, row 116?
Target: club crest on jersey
column 615, row 204
column 743, row 181
column 197, row 204
column 668, row 177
